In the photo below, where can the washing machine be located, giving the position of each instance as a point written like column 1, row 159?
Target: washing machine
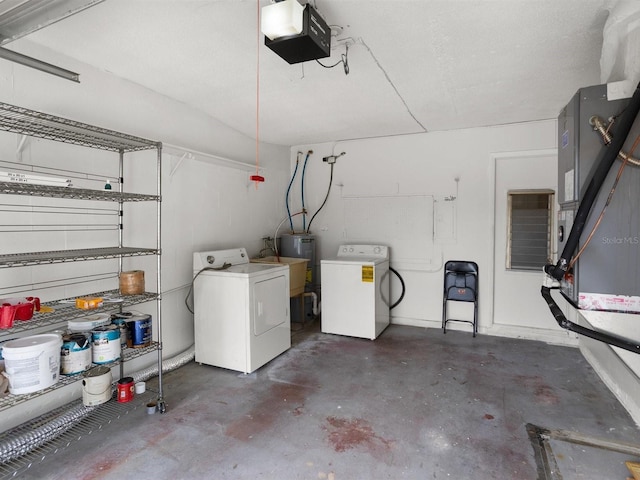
column 241, row 310
column 355, row 291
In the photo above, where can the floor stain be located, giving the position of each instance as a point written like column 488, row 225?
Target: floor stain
column 279, row 398
column 345, row 434
column 107, row 464
column 544, row 394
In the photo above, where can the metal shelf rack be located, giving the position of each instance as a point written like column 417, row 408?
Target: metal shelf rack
column 32, row 123
column 61, row 256
column 43, row 125
column 127, row 355
column 65, row 309
column 18, row 188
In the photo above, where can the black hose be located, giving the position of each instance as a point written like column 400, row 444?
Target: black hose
column 325, row 199
column 190, row 292
column 288, row 190
column 403, row 289
column 606, row 157
column 565, row 323
column 304, row 169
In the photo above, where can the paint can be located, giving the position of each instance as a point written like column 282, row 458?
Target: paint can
column 32, row 363
column 106, row 344
column 125, row 389
column 88, row 323
column 139, row 331
column 120, row 319
column 121, row 325
column 75, row 354
column 96, row 386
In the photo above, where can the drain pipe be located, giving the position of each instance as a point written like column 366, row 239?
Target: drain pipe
column 22, row 444
column 315, row 309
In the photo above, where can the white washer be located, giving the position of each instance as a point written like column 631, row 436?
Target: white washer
column 355, row 291
column 241, row 310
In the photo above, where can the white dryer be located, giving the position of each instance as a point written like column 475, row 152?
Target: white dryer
column 241, row 310
column 355, row 291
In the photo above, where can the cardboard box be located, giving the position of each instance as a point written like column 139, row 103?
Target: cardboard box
column 297, row 271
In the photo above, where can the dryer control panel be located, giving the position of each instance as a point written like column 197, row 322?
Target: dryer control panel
column 218, row 258
column 366, row 251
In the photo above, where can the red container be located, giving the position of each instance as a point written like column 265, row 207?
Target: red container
column 23, row 307
column 126, row 389
column 7, row 315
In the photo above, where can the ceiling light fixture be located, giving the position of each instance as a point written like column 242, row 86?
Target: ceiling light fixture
column 295, row 32
column 282, row 19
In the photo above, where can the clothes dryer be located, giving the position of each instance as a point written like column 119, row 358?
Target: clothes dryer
column 241, row 310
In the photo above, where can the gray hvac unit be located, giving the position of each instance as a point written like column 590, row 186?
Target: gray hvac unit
column 606, row 276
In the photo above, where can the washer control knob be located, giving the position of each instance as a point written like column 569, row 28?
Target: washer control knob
column 344, row 250
column 377, row 250
column 351, row 250
column 211, row 259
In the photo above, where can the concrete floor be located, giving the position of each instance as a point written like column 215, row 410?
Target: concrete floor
column 414, row 404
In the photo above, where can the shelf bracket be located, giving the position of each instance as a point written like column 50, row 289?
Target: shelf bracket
column 21, row 143
column 174, row 169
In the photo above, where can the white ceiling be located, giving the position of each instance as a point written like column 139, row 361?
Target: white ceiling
column 415, row 65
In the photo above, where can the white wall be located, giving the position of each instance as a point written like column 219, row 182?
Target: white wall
column 431, row 198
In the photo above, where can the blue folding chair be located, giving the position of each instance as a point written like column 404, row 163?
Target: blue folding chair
column 460, row 285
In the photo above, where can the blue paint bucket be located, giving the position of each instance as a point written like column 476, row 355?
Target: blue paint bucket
column 75, row 354
column 105, row 344
column 139, row 328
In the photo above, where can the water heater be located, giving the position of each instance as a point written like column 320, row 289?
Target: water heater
column 302, row 245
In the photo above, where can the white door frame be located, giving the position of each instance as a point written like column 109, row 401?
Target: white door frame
column 533, row 334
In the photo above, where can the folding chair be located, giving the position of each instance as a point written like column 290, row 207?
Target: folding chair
column 460, row 285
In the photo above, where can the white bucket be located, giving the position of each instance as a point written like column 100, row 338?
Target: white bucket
column 32, row 363
column 96, row 386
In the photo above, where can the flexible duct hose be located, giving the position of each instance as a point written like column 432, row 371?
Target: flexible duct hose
column 22, row 444
column 167, row 365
